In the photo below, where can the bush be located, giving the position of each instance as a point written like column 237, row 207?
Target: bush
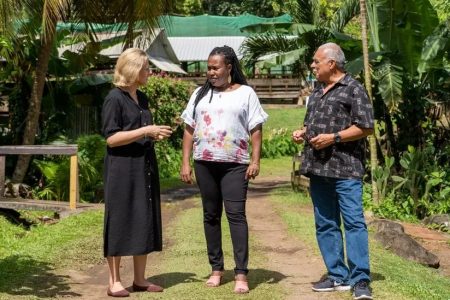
column 169, row 159
column 167, row 99
column 278, row 143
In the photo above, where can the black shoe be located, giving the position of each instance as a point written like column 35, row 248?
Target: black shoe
column 361, row 291
column 330, row 285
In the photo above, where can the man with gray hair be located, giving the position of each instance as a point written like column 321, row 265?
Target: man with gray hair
column 338, row 118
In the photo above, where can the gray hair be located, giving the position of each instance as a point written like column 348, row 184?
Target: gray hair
column 334, row 52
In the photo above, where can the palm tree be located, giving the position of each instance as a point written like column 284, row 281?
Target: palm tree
column 294, row 44
column 50, row 12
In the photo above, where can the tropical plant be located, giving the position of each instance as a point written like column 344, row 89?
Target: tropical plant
column 381, row 176
column 49, row 13
column 411, row 69
column 54, row 183
column 294, row 44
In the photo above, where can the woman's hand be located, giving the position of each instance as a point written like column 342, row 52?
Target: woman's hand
column 157, row 132
column 186, row 173
column 252, row 171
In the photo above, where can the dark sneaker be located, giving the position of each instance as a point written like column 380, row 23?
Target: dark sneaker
column 329, row 285
column 361, row 291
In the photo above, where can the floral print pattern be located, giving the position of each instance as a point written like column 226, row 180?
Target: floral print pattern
column 222, row 127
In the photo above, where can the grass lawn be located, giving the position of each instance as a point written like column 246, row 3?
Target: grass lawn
column 287, row 118
column 185, row 268
column 392, row 277
column 29, row 259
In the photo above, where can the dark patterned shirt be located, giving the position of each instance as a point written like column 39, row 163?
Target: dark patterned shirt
column 344, row 105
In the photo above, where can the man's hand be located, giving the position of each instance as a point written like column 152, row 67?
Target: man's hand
column 321, row 141
column 298, row 136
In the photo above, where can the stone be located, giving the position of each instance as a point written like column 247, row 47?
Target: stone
column 441, row 221
column 393, row 237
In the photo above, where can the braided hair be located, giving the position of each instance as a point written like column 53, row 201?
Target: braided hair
column 237, row 76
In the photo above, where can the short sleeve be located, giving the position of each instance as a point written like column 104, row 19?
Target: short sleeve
column 188, row 113
column 111, row 116
column 256, row 113
column 362, row 110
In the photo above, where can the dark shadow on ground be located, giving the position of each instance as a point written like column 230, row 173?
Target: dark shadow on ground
column 377, row 277
column 168, row 280
column 263, row 187
column 15, row 218
column 25, row 276
column 255, row 277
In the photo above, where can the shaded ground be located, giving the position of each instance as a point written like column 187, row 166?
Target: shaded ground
column 295, row 261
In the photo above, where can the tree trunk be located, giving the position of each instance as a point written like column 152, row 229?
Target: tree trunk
column 368, row 83
column 34, row 109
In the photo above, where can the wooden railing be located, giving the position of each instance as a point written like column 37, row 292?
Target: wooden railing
column 44, row 150
column 269, row 89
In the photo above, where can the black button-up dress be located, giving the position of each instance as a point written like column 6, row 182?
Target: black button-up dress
column 132, row 223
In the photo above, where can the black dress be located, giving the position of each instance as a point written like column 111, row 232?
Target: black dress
column 132, row 223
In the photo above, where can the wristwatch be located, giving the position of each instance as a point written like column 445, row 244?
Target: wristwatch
column 337, row 138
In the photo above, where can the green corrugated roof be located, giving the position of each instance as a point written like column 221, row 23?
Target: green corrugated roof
column 206, row 25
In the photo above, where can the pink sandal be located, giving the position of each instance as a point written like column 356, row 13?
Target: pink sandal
column 241, row 284
column 215, row 279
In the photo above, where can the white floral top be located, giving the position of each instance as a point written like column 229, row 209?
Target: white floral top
column 222, row 127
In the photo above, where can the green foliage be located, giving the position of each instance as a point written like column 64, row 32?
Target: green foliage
column 189, row 7
column 168, row 97
column 262, row 8
column 169, row 159
column 295, row 44
column 382, row 175
column 54, row 183
column 443, row 9
column 420, row 188
column 278, row 143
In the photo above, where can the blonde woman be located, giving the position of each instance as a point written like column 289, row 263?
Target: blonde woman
column 132, row 224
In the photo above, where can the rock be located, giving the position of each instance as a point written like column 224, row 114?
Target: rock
column 392, row 236
column 441, row 221
column 386, row 225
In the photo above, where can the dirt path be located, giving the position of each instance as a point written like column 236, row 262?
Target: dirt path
column 285, row 255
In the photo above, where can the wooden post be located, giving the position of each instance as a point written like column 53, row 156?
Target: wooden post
column 2, row 176
column 73, row 198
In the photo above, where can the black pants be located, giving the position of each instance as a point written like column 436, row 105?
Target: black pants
column 222, row 182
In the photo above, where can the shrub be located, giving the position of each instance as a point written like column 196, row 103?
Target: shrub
column 278, row 143
column 168, row 98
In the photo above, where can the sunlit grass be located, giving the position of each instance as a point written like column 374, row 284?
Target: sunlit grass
column 185, row 268
column 392, row 277
column 289, row 118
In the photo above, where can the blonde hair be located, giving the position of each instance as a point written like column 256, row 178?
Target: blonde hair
column 128, row 66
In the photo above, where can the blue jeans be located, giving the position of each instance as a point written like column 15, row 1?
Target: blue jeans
column 334, row 198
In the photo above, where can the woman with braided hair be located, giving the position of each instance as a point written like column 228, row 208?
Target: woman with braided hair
column 221, row 117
